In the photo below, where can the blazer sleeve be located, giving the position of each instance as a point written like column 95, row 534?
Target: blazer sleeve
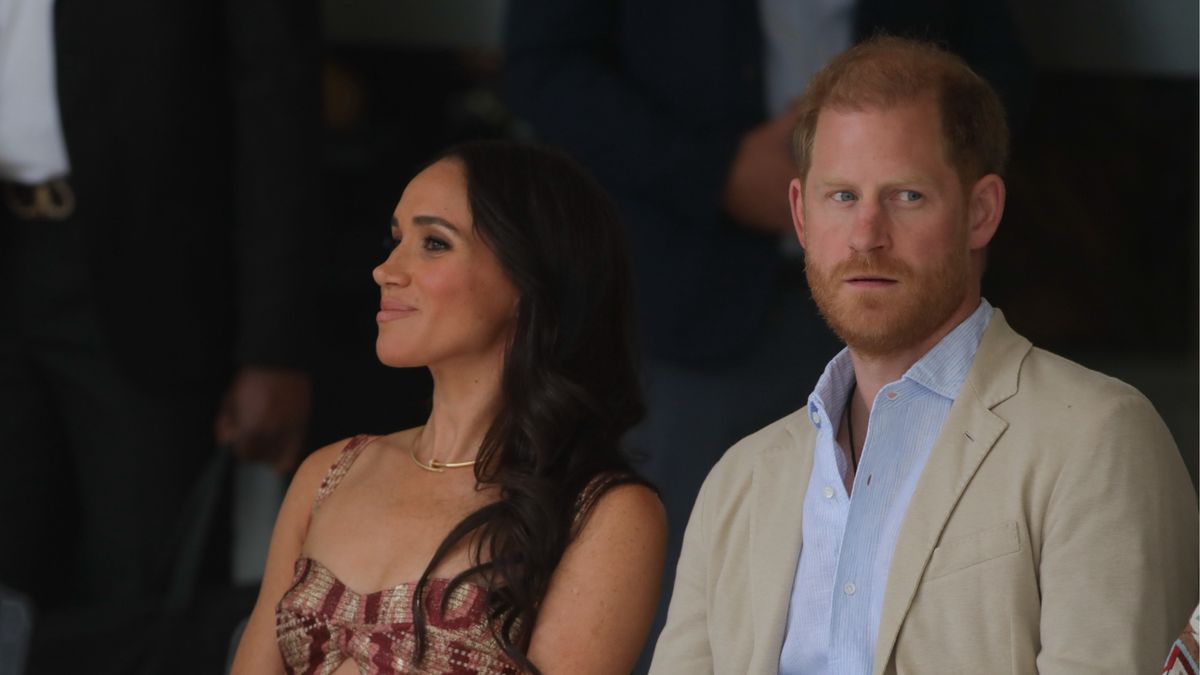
column 272, row 68
column 1119, row 552
column 564, row 77
column 683, row 645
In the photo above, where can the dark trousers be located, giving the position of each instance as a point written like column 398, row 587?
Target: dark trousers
column 95, row 466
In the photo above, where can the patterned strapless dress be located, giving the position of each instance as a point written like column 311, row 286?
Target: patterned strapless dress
column 320, row 623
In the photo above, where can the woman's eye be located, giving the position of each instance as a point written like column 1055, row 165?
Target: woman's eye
column 390, row 241
column 435, row 244
column 910, row 196
column 843, row 196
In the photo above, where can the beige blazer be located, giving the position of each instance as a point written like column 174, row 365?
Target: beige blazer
column 1053, row 530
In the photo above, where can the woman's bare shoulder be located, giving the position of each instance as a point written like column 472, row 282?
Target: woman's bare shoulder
column 600, row 603
column 626, row 511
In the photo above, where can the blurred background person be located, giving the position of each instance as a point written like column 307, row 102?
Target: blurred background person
column 158, row 169
column 685, row 111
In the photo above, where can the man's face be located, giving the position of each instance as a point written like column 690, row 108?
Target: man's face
column 888, row 229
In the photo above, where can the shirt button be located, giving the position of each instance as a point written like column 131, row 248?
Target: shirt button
column 891, row 395
column 849, row 588
column 816, row 416
column 828, row 492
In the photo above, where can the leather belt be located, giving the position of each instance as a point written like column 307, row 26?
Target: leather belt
column 52, row 200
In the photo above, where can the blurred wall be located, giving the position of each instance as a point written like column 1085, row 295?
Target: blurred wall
column 1146, row 37
column 415, row 23
column 1114, row 36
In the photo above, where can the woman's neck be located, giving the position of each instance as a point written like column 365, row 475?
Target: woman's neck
column 466, row 399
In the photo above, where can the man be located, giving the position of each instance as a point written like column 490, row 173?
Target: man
column 156, row 167
column 684, row 109
column 952, row 499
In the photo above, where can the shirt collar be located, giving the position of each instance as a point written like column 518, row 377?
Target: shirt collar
column 942, row 369
column 832, row 388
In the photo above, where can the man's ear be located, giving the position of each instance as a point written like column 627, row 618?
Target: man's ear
column 796, row 203
column 985, row 207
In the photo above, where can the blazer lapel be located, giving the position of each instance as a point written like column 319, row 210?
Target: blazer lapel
column 967, row 436
column 780, row 477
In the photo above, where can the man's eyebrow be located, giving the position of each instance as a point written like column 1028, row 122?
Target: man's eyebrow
column 428, row 221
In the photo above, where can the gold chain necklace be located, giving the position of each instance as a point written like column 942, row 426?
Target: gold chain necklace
column 434, row 465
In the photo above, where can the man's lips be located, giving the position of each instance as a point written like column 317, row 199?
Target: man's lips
column 866, row 281
column 390, row 310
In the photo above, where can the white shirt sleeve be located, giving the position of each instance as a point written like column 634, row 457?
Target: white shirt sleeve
column 32, row 147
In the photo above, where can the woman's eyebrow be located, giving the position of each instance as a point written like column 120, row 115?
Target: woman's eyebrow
column 435, row 220
column 428, row 221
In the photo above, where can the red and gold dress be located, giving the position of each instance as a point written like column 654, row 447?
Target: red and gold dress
column 320, row 623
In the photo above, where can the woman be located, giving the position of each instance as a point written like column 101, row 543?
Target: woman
column 507, row 533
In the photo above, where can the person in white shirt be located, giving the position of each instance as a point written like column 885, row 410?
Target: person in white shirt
column 157, row 224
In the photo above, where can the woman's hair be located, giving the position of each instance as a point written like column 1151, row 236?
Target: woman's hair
column 569, row 388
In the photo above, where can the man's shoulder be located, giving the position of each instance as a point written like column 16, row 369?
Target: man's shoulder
column 788, row 439
column 1046, row 375
column 1074, row 408
column 1009, row 371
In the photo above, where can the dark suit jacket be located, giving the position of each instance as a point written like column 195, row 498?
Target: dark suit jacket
column 191, row 127
column 654, row 97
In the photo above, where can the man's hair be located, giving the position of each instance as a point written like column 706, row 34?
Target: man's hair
column 885, row 71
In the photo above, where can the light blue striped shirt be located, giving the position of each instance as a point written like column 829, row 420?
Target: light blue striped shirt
column 837, row 596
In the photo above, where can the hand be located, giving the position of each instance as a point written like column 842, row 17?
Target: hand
column 757, row 187
column 264, row 415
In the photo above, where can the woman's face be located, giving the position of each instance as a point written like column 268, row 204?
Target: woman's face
column 444, row 296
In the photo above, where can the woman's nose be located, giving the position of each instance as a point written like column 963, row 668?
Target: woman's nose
column 391, row 272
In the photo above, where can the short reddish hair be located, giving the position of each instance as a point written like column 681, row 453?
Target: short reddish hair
column 885, row 71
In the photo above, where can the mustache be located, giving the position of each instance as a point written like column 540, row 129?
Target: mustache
column 871, row 264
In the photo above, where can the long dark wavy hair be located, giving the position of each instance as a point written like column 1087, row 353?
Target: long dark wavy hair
column 569, row 387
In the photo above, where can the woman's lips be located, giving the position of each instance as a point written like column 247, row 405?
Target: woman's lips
column 390, row 310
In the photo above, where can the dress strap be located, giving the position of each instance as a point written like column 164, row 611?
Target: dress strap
column 341, row 466
column 595, row 488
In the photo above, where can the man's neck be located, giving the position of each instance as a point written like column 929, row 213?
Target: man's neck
column 873, row 371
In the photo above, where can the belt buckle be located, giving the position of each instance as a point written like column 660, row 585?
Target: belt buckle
column 52, row 200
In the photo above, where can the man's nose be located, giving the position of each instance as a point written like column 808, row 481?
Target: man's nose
column 870, row 228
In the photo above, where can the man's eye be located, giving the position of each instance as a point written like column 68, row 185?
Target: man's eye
column 910, row 196
column 843, row 196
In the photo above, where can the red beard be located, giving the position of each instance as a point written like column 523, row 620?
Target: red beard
column 887, row 320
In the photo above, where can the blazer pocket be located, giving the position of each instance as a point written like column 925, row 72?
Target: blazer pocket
column 962, row 552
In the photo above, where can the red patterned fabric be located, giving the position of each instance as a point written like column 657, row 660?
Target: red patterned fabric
column 1186, row 651
column 320, row 623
